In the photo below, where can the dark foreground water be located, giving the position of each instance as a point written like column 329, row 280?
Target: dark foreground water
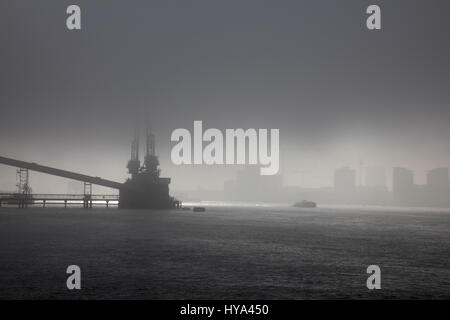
column 224, row 253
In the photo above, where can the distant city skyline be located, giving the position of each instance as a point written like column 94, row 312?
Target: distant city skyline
column 338, row 92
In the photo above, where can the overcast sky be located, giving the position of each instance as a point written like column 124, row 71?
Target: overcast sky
column 338, row 92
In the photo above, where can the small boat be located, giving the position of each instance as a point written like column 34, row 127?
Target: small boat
column 199, row 209
column 305, row 204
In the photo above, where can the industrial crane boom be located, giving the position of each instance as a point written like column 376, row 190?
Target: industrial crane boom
column 60, row 173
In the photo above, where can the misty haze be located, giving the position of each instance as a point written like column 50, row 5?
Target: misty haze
column 87, row 173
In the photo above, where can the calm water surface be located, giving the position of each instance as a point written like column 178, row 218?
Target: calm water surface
column 227, row 252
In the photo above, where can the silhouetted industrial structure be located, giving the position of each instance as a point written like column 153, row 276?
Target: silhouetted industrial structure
column 144, row 190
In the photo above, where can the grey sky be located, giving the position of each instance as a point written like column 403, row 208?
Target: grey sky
column 338, row 92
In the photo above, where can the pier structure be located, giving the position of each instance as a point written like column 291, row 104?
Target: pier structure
column 59, row 200
column 145, row 189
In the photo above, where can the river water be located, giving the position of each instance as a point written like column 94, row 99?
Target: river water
column 231, row 251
